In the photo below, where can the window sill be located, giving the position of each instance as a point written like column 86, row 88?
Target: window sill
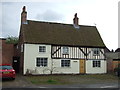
column 41, row 66
column 65, row 54
column 42, row 52
column 65, row 67
column 96, row 67
column 96, row 55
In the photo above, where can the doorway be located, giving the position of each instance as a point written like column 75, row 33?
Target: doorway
column 82, row 66
column 16, row 64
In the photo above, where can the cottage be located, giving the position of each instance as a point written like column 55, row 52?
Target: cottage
column 57, row 48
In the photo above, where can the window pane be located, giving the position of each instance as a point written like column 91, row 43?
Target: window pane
column 96, row 63
column 42, row 49
column 65, row 50
column 93, row 63
column 41, row 62
column 38, row 62
column 65, row 63
column 96, row 51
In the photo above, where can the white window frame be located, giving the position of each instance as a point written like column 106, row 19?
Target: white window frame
column 65, row 50
column 41, row 62
column 96, row 52
column 42, row 49
column 65, row 64
column 96, row 63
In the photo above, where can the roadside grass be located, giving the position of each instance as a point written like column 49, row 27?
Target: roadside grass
column 72, row 79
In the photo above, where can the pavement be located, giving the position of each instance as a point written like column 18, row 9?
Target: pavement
column 21, row 82
column 107, row 85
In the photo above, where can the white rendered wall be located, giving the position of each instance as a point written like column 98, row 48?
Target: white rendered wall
column 31, row 52
column 95, row 70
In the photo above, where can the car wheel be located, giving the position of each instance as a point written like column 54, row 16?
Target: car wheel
column 13, row 78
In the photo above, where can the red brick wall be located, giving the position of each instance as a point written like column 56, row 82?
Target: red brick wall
column 109, row 65
column 115, row 64
column 7, row 52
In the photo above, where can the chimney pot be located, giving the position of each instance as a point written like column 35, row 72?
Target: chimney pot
column 24, row 9
column 76, row 21
column 75, row 14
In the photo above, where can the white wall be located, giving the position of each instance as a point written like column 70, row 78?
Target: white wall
column 95, row 70
column 75, row 52
column 31, row 52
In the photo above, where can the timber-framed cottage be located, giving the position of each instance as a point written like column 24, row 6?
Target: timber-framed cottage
column 57, row 48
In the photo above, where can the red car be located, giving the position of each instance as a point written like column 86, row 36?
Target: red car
column 7, row 71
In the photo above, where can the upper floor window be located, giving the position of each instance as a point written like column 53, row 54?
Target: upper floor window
column 65, row 63
column 65, row 50
column 96, row 63
column 96, row 51
column 42, row 48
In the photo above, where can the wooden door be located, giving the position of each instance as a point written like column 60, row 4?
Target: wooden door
column 82, row 66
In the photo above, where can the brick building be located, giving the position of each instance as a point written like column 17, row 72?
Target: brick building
column 9, row 54
column 113, row 59
column 6, row 51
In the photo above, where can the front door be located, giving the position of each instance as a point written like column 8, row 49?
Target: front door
column 16, row 64
column 82, row 66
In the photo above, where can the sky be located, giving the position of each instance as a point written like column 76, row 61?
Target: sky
column 100, row 13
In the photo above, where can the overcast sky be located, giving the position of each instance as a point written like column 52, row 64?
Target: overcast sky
column 102, row 13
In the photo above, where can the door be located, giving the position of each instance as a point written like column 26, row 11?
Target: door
column 16, row 64
column 82, row 66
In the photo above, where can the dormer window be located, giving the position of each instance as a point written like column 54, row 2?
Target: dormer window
column 42, row 48
column 65, row 50
column 96, row 52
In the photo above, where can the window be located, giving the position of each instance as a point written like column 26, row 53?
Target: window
column 41, row 62
column 17, row 47
column 65, row 50
column 96, row 63
column 5, row 67
column 21, row 47
column 65, row 63
column 42, row 49
column 96, row 51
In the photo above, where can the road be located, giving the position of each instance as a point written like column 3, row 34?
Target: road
column 21, row 82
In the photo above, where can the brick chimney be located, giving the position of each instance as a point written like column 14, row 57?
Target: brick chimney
column 76, row 20
column 24, row 16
